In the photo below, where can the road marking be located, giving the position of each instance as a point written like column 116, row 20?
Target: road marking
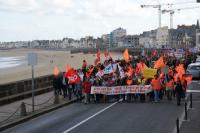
column 196, row 91
column 194, row 81
column 83, row 121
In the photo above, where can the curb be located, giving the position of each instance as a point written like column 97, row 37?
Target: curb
column 34, row 115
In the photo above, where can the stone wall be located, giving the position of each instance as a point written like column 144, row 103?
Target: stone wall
column 22, row 89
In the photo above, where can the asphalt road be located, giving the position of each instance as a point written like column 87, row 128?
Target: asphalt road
column 119, row 117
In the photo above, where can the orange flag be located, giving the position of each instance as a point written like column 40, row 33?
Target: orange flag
column 161, row 75
column 180, row 69
column 141, row 66
column 159, row 63
column 129, row 82
column 188, row 79
column 176, row 77
column 130, row 70
column 126, row 55
column 56, row 71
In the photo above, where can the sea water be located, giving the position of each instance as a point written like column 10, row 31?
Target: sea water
column 9, row 62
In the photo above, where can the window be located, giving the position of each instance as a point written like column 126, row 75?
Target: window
column 194, row 67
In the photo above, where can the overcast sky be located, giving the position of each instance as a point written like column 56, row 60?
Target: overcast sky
column 55, row 19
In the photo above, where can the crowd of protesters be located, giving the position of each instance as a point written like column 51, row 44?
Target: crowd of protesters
column 124, row 73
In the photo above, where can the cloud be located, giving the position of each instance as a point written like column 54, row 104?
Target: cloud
column 18, row 5
column 36, row 6
column 110, row 8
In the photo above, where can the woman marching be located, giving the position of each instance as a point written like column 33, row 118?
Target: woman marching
column 169, row 87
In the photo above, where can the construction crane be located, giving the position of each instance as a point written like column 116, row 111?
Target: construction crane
column 159, row 8
column 172, row 11
column 159, row 11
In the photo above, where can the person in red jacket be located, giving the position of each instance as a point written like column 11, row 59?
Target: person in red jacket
column 156, row 86
column 86, row 89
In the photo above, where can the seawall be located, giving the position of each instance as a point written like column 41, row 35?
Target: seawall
column 13, row 91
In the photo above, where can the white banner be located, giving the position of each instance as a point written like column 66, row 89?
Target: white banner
column 178, row 55
column 121, row 89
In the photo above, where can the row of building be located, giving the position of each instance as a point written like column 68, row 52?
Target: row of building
column 182, row 37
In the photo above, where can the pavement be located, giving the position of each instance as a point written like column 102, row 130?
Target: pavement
column 44, row 103
column 192, row 125
column 116, row 117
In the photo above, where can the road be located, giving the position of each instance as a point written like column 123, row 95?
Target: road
column 116, row 117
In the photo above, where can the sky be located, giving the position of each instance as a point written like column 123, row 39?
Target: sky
column 26, row 20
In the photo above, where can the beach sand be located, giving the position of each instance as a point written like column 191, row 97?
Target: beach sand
column 45, row 66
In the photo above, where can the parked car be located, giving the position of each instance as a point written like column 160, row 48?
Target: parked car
column 194, row 70
column 198, row 59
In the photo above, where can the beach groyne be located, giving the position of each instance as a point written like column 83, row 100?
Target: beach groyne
column 13, row 91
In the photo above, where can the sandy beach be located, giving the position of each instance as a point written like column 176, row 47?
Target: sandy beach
column 45, row 66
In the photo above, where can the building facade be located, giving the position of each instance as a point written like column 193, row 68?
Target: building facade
column 116, row 36
column 162, row 37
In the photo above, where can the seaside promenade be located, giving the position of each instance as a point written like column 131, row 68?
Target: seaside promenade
column 114, row 117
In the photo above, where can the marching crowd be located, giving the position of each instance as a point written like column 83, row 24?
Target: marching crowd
column 170, row 79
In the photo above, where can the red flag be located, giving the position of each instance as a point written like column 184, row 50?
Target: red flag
column 90, row 72
column 96, row 61
column 98, row 55
column 154, row 53
column 159, row 63
column 106, row 53
column 67, row 68
column 126, row 55
column 72, row 76
column 56, row 71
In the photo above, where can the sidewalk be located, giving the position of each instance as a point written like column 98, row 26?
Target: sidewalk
column 192, row 125
column 43, row 103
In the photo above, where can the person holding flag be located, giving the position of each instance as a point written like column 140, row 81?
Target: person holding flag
column 73, row 79
column 169, row 87
column 86, row 89
column 179, row 91
column 84, row 68
column 57, row 81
